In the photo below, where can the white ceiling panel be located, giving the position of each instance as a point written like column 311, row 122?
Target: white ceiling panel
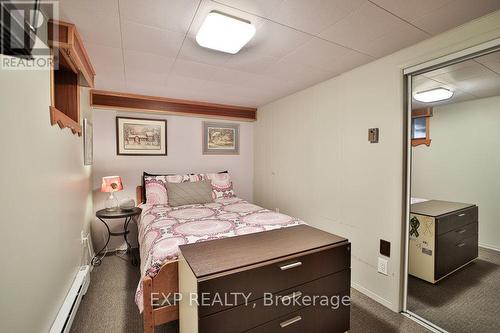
column 250, row 61
column 411, row 10
column 98, row 22
column 314, row 16
column 149, row 46
column 261, row 8
column 319, row 54
column 455, row 13
column 373, row 31
column 276, row 40
column 173, row 15
column 142, row 38
column 468, row 80
column 192, row 69
column 193, row 52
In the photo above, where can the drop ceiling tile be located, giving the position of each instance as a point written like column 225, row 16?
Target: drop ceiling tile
column 319, row 54
column 491, row 61
column 489, row 58
column 173, row 15
column 288, row 70
column 138, row 37
column 147, row 62
column 361, row 29
column 192, row 69
column 146, row 68
column 176, row 82
column 250, row 61
column 411, row 10
column 262, row 8
column 108, row 83
column 404, row 36
column 313, row 16
column 139, row 77
column 455, row 13
column 193, row 52
column 451, row 68
column 97, row 22
column 464, row 74
column 276, row 40
column 107, row 62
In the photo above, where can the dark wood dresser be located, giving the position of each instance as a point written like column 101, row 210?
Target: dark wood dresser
column 278, row 271
column 443, row 238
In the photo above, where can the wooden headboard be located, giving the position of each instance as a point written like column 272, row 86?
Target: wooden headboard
column 138, row 195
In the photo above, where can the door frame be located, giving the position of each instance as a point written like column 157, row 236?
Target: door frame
column 408, row 73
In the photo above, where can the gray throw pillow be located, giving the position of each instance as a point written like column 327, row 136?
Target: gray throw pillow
column 189, row 193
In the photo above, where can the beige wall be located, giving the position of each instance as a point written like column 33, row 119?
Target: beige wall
column 463, row 161
column 313, row 160
column 46, row 203
column 184, row 137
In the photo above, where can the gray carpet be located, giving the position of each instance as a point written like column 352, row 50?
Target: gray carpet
column 109, row 306
column 466, row 301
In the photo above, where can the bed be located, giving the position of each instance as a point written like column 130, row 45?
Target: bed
column 163, row 228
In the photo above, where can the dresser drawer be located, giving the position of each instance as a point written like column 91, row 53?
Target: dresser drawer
column 454, row 251
column 457, row 219
column 245, row 317
column 312, row 319
column 274, row 277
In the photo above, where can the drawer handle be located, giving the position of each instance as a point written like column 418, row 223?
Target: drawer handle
column 461, row 245
column 291, row 297
column 461, row 231
column 460, row 215
column 290, row 321
column 292, row 265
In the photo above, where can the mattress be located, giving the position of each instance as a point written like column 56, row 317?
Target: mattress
column 163, row 228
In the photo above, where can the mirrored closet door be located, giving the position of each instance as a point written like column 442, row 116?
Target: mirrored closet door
column 454, row 225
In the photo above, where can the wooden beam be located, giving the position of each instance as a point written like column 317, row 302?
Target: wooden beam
column 133, row 102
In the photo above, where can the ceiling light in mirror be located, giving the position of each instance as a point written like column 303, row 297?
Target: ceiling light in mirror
column 433, row 95
column 224, row 33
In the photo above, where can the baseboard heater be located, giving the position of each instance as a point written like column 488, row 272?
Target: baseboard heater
column 67, row 313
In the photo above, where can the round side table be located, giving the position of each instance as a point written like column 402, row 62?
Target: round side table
column 103, row 215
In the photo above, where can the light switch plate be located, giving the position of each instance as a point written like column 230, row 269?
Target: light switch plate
column 382, row 266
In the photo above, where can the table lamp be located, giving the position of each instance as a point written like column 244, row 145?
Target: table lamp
column 111, row 184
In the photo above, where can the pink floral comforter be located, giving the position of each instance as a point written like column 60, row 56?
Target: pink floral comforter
column 163, row 228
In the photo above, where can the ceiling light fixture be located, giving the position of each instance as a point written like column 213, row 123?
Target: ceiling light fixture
column 433, row 95
column 224, row 33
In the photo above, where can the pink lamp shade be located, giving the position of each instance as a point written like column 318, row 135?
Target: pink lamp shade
column 111, row 184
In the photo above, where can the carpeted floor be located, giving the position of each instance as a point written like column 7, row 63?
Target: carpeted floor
column 466, row 301
column 109, row 306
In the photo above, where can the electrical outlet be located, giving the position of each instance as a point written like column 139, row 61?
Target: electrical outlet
column 83, row 237
column 382, row 266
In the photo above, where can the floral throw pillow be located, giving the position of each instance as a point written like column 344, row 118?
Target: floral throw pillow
column 222, row 186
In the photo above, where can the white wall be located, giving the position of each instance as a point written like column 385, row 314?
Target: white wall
column 184, row 137
column 313, row 160
column 463, row 161
column 46, row 203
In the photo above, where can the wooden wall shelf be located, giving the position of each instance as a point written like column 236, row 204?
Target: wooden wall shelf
column 59, row 118
column 133, row 102
column 72, row 71
column 65, row 38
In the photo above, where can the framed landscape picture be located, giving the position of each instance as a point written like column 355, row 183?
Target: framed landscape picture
column 221, row 138
column 137, row 136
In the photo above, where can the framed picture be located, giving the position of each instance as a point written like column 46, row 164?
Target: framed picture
column 221, row 138
column 137, row 136
column 88, row 138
